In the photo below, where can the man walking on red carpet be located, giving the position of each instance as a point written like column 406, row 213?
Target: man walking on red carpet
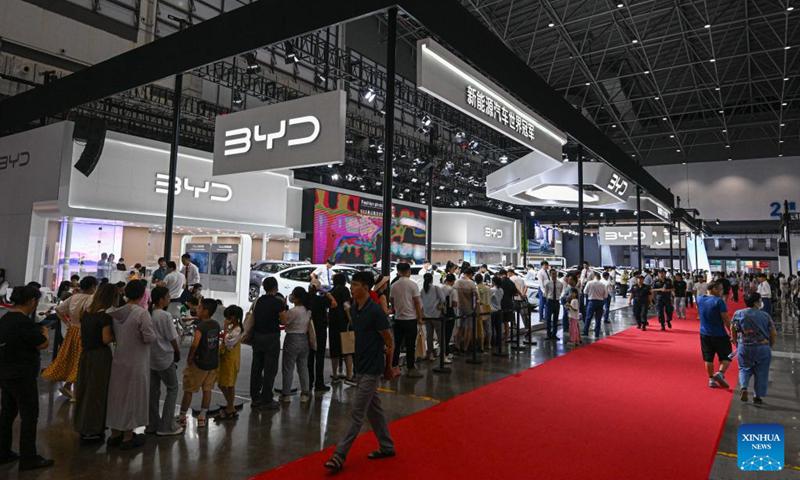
column 714, row 337
column 373, row 358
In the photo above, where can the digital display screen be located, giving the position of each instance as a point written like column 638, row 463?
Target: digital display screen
column 541, row 239
column 348, row 229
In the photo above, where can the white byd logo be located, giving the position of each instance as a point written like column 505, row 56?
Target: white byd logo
column 617, row 184
column 219, row 192
column 490, row 232
column 614, row 236
column 240, row 140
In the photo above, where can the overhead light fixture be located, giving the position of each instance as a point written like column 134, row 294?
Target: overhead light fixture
column 780, row 141
column 460, row 136
column 656, row 98
column 587, row 84
column 787, row 47
column 783, row 124
column 678, row 150
column 724, row 130
column 369, row 94
column 712, row 60
column 560, row 193
column 532, row 213
column 717, row 221
column 707, row 25
column 634, row 41
column 237, row 98
column 664, row 118
column 716, row 88
column 683, row 163
column 620, row 5
column 722, row 111
column 784, row 104
column 319, row 78
column 335, row 177
column 551, row 24
column 789, row 9
column 613, row 125
column 425, row 120
column 672, row 136
column 291, row 54
column 252, row 62
column 780, row 154
column 503, row 159
column 785, row 79
column 729, row 159
column 727, row 146
column 647, row 72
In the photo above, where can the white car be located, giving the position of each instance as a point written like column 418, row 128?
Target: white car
column 300, row 276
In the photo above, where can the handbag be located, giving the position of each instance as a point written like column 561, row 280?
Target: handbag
column 247, row 326
column 348, row 337
column 420, row 353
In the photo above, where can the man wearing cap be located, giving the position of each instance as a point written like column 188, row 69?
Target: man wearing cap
column 662, row 289
column 640, row 297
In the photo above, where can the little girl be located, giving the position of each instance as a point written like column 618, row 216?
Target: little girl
column 229, row 359
column 574, row 313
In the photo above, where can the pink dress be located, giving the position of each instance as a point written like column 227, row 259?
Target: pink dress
column 574, row 331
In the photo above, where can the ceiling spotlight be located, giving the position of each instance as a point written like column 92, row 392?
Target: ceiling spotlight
column 252, row 62
column 460, row 136
column 727, row 146
column 291, row 54
column 551, row 24
column 785, row 79
column 789, row 9
column 620, row 5
column 613, row 125
column 678, row 150
column 425, row 120
column 787, row 47
column 532, row 213
column 724, row 130
column 319, row 78
column 784, row 104
column 672, row 136
column 780, row 141
column 369, row 94
column 683, row 163
column 237, row 98
column 716, row 88
column 713, row 60
column 647, row 72
column 729, row 159
column 634, row 41
column 707, row 25
column 722, row 111
column 664, row 118
column 587, row 84
column 716, row 221
column 656, row 98
column 783, row 124
column 503, row 159
column 335, row 177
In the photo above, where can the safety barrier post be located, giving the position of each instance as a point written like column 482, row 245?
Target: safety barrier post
column 442, row 348
column 517, row 317
column 474, row 360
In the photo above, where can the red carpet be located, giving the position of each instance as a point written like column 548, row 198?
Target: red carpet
column 634, row 405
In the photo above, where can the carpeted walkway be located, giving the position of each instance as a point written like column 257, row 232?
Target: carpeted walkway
column 633, row 405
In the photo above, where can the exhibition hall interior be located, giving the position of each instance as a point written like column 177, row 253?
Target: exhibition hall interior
column 269, row 239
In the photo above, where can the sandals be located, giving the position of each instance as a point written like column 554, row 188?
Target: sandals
column 201, row 422
column 224, row 415
column 334, row 464
column 378, row 454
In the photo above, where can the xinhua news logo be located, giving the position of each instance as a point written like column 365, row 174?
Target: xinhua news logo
column 760, row 447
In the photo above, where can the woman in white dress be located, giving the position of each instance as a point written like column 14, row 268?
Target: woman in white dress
column 130, row 370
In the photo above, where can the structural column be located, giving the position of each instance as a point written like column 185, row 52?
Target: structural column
column 173, row 164
column 639, row 225
column 264, row 245
column 671, row 250
column 788, row 235
column 388, row 142
column 67, row 250
column 581, row 254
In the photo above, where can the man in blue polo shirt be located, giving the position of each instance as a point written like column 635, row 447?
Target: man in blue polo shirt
column 372, row 360
column 714, row 337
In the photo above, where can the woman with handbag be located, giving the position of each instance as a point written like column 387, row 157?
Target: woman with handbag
column 342, row 339
column 300, row 338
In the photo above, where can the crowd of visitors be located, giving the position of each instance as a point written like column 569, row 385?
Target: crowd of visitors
column 121, row 346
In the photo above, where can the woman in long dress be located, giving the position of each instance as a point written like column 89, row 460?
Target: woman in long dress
column 130, row 371
column 94, row 372
column 65, row 366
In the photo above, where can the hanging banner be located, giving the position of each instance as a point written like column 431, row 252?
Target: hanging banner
column 451, row 80
column 306, row 132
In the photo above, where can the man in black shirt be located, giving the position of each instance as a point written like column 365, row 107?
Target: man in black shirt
column 319, row 303
column 507, row 303
column 640, row 297
column 679, row 286
column 266, row 341
column 373, row 360
column 20, row 342
column 662, row 289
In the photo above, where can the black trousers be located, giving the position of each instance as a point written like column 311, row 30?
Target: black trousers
column 664, row 309
column 20, row 396
column 735, row 293
column 316, row 358
column 640, row 313
column 405, row 334
column 266, row 353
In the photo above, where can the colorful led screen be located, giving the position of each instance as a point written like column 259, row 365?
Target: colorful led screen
column 348, row 228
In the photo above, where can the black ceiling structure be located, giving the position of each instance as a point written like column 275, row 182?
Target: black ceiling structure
column 670, row 81
column 120, row 89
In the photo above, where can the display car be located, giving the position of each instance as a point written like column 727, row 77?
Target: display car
column 266, row 268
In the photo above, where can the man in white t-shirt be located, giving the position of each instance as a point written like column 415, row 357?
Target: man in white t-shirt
column 596, row 293
column 404, row 294
column 611, row 287
column 765, row 291
column 174, row 281
column 324, row 274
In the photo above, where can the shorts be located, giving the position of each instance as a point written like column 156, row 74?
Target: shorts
column 466, row 321
column 195, row 379
column 719, row 346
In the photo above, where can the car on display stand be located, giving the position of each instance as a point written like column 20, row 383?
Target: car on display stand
column 300, row 276
column 266, row 268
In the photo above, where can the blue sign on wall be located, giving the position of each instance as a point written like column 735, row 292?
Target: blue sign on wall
column 776, row 209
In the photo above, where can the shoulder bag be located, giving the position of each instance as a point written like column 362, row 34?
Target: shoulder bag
column 348, row 337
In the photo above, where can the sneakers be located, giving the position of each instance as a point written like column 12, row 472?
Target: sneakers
column 170, row 433
column 36, row 462
column 8, row 457
column 182, row 420
column 305, row 397
column 744, row 395
column 136, row 441
column 757, row 400
column 669, row 324
column 350, row 381
column 201, row 422
column 720, row 379
column 712, row 383
column 448, row 359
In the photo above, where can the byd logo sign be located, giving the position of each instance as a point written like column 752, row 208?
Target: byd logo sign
column 621, row 236
column 14, row 160
column 217, row 192
column 496, row 233
column 241, row 140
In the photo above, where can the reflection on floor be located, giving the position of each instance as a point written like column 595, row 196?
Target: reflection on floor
column 260, row 440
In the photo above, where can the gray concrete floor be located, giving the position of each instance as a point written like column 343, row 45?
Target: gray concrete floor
column 260, row 439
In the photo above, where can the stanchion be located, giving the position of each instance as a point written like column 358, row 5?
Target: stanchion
column 474, row 360
column 517, row 317
column 528, row 338
column 442, row 348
